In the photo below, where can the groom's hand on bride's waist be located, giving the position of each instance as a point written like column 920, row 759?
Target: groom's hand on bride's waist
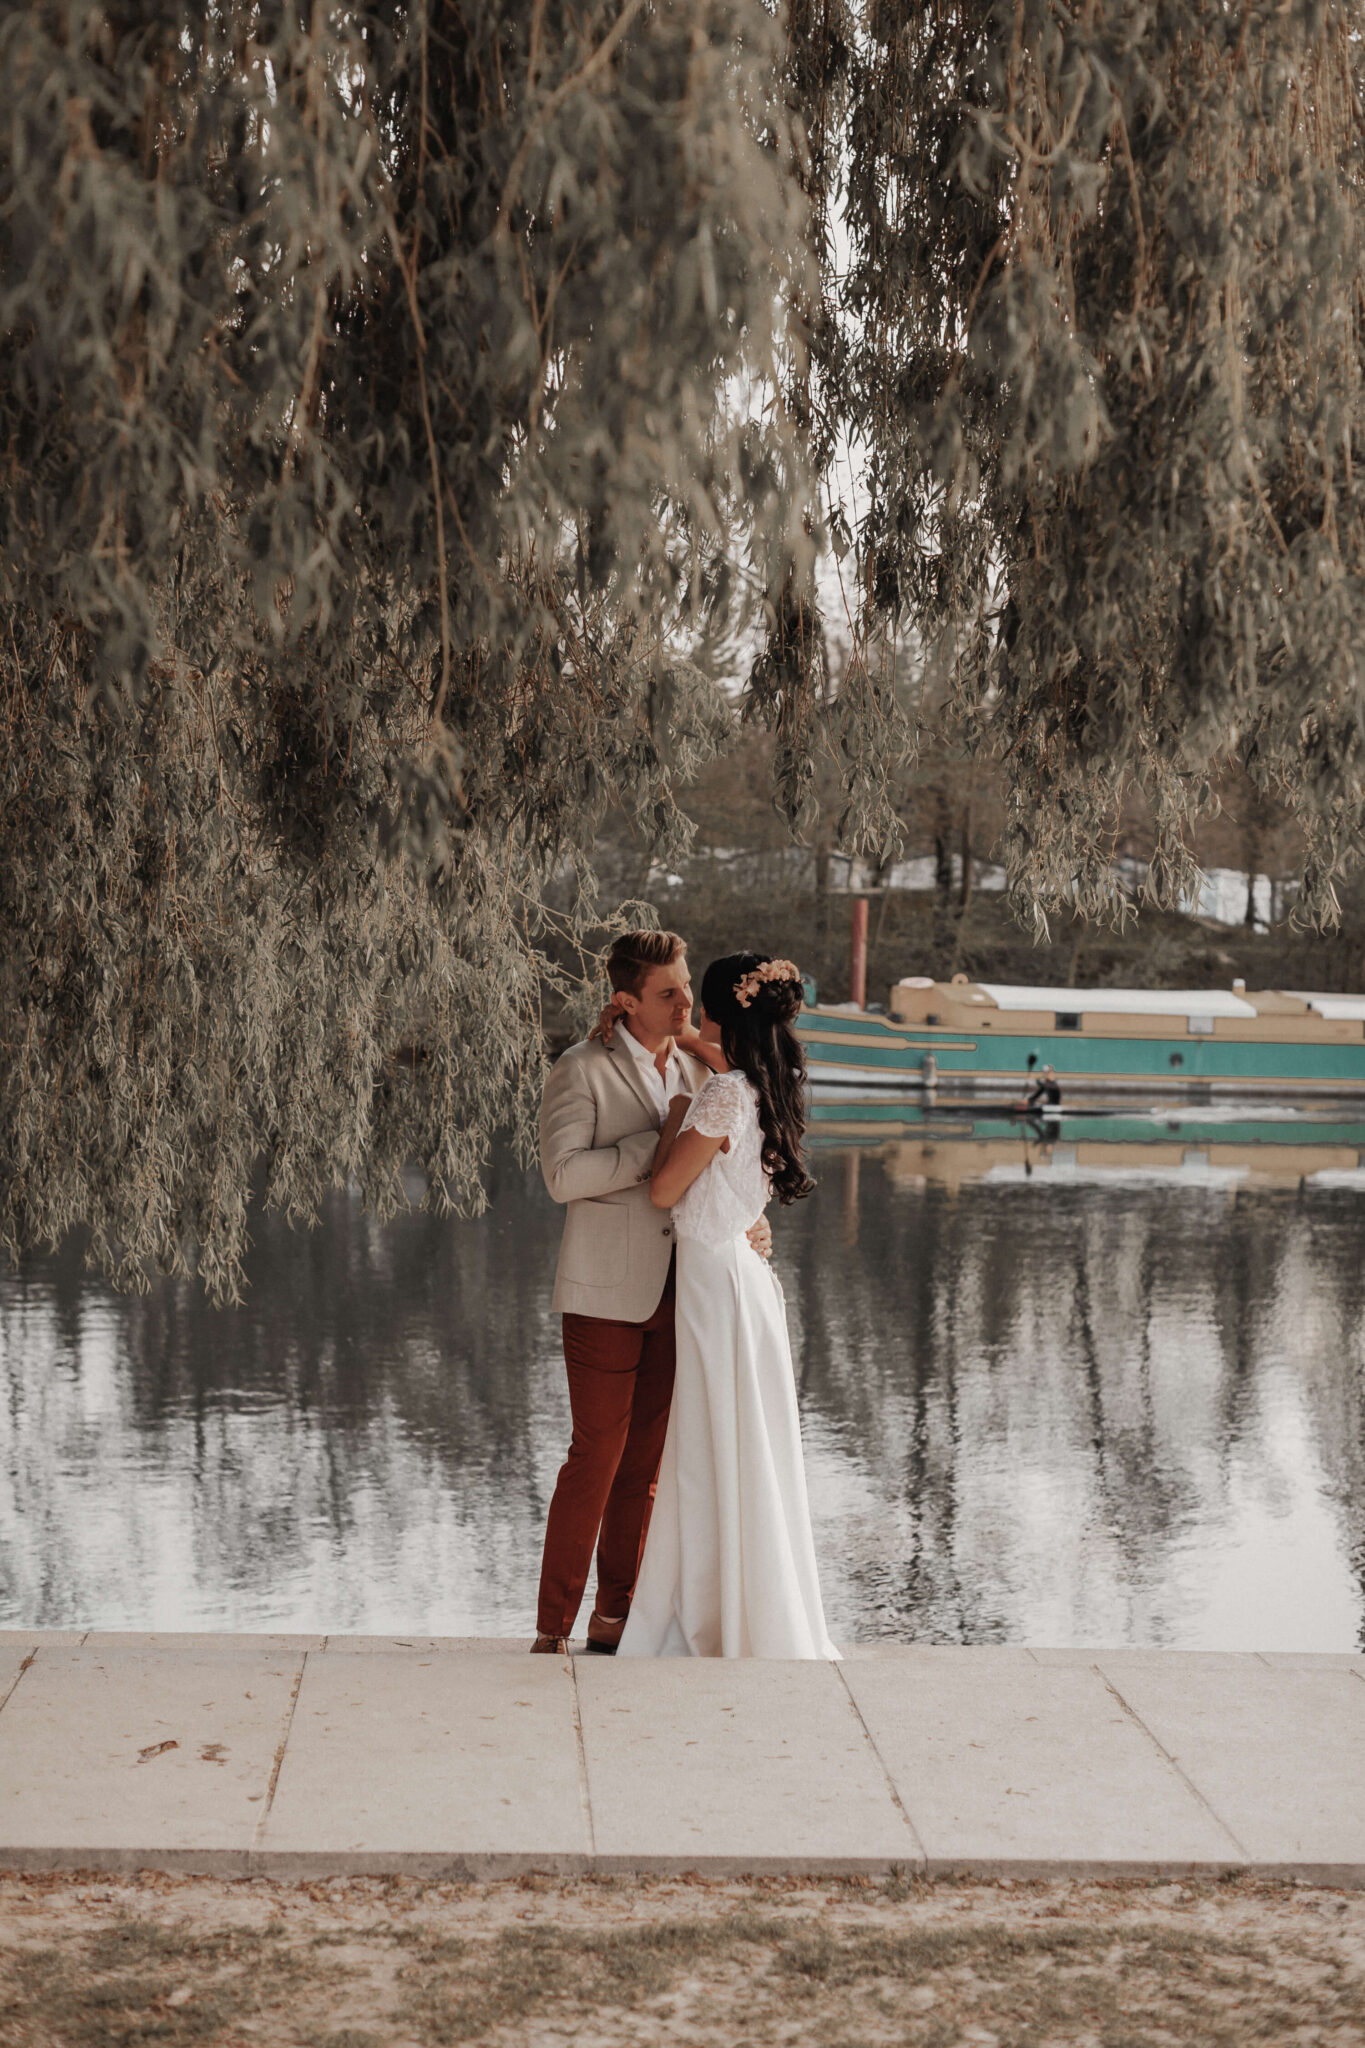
column 761, row 1238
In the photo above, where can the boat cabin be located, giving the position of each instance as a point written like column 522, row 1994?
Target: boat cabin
column 1274, row 1014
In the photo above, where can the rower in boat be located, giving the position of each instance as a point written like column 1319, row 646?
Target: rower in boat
column 1046, row 1092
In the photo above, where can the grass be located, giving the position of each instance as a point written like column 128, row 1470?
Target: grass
column 718, row 1966
column 139, row 1980
column 1141, row 1988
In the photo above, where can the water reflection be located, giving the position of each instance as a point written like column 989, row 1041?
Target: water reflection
column 1065, row 1407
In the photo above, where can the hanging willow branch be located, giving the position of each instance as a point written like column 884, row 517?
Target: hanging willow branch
column 366, row 459
column 1098, row 355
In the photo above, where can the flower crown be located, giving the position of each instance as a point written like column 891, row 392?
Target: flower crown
column 748, row 985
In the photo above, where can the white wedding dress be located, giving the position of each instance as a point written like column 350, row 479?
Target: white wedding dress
column 729, row 1564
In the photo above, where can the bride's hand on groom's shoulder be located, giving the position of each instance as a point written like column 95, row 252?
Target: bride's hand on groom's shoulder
column 607, row 1022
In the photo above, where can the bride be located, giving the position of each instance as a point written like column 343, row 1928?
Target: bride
column 729, row 1563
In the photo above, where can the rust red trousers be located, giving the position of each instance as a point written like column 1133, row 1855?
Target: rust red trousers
column 620, row 1389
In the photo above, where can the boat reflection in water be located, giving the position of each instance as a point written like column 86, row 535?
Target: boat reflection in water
column 1094, row 1380
column 1233, row 1145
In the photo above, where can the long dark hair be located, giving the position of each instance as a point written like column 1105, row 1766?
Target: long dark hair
column 759, row 1041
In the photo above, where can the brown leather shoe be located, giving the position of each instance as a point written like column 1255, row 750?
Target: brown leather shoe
column 603, row 1635
column 550, row 1646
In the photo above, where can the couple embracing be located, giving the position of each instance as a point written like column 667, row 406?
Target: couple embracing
column 666, row 1144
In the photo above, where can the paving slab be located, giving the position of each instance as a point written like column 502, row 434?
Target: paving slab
column 1047, row 1655
column 429, row 1764
column 468, row 1646
column 202, row 1642
column 1179, row 1660
column 14, row 1658
column 123, row 1759
column 734, row 1767
column 33, row 1638
column 1096, row 1659
column 1011, row 1768
column 1278, row 1753
column 861, row 1651
column 1313, row 1660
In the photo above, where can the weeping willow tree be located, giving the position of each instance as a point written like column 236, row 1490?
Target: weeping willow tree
column 1087, row 392
column 372, row 468
column 405, row 410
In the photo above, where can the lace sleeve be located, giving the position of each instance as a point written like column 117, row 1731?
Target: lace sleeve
column 718, row 1107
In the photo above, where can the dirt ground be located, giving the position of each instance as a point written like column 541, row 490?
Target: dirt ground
column 399, row 1963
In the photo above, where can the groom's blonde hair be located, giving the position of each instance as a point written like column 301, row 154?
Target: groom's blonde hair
column 635, row 953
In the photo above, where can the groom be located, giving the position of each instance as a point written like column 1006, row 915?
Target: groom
column 605, row 1103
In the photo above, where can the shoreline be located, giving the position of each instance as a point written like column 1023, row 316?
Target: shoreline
column 298, row 1757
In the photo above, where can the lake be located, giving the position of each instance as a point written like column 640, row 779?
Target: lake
column 1046, row 1400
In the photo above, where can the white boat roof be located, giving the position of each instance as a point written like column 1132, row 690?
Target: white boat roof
column 1141, row 1002
column 1342, row 1009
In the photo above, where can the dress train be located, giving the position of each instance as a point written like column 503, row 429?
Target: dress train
column 729, row 1566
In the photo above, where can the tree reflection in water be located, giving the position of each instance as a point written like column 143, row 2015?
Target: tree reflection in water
column 1125, row 1413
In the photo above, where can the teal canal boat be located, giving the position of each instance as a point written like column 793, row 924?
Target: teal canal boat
column 969, row 1038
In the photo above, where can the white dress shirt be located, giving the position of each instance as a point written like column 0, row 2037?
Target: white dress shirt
column 661, row 1086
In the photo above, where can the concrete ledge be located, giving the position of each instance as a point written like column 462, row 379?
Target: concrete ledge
column 293, row 1756
column 123, row 1861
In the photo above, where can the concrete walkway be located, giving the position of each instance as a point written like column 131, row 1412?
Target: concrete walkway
column 290, row 1756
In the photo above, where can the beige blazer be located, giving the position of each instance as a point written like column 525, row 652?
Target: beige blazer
column 598, row 1133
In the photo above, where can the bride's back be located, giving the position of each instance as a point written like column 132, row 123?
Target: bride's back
column 731, row 1192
